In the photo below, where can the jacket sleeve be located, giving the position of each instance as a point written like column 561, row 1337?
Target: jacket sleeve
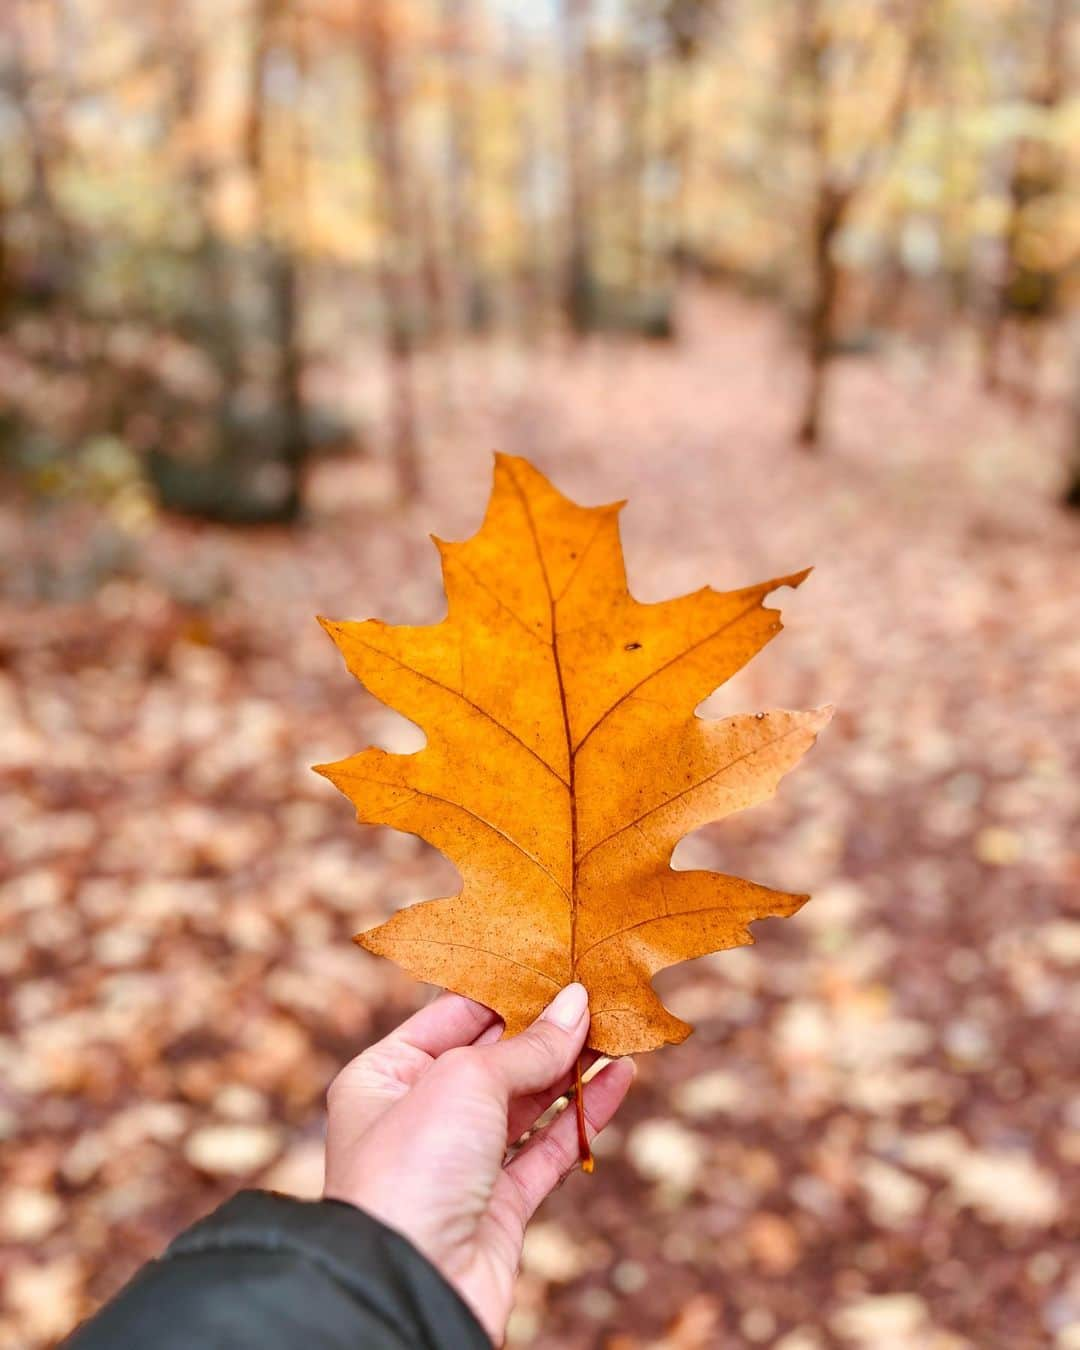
column 267, row 1272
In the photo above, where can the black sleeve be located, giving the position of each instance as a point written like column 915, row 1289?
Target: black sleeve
column 272, row 1273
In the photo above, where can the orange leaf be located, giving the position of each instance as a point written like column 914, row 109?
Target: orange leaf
column 563, row 763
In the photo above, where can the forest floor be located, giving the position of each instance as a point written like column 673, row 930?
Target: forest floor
column 867, row 1142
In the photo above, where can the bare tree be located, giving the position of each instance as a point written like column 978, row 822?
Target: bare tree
column 273, row 43
column 837, row 187
column 461, row 122
column 685, row 23
column 53, row 272
column 1072, row 481
column 1024, row 289
column 384, row 119
column 578, row 298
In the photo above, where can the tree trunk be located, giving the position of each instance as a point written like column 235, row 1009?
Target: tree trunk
column 278, row 261
column 825, row 284
column 1072, row 481
column 632, row 92
column 835, row 192
column 537, row 297
column 463, row 291
column 54, row 276
column 811, row 51
column 578, row 298
column 197, row 175
column 5, row 265
column 384, row 120
column 284, row 284
column 1023, row 291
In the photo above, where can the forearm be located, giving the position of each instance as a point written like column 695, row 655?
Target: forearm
column 273, row 1273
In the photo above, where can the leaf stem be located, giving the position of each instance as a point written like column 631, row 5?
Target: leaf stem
column 588, row 1162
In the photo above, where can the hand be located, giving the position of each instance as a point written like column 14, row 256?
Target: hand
column 419, row 1126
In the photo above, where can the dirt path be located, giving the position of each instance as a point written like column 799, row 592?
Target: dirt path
column 867, row 1141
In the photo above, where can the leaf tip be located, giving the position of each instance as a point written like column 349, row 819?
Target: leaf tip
column 764, row 589
column 366, row 939
column 797, row 902
column 793, row 579
column 331, row 627
column 506, row 462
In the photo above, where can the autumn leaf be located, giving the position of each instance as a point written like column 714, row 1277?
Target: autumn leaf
column 564, row 762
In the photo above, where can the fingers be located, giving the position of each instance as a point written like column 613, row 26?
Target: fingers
column 382, row 1074
column 492, row 1034
column 449, row 1021
column 540, row 1056
column 525, row 1111
column 533, row 1067
column 548, row 1157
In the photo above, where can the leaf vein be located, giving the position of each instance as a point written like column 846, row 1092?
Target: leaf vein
column 653, row 918
column 457, row 693
column 470, row 947
column 667, row 666
column 490, row 590
column 757, row 750
column 581, row 558
column 459, row 806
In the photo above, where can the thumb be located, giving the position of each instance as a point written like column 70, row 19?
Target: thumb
column 546, row 1051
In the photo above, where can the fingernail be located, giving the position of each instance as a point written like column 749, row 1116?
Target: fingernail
column 490, row 1034
column 568, row 1007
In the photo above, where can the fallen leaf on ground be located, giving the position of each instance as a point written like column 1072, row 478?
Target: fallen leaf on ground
column 232, row 1148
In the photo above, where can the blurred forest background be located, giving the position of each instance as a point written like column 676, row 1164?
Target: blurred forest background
column 205, row 207
column 802, row 281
